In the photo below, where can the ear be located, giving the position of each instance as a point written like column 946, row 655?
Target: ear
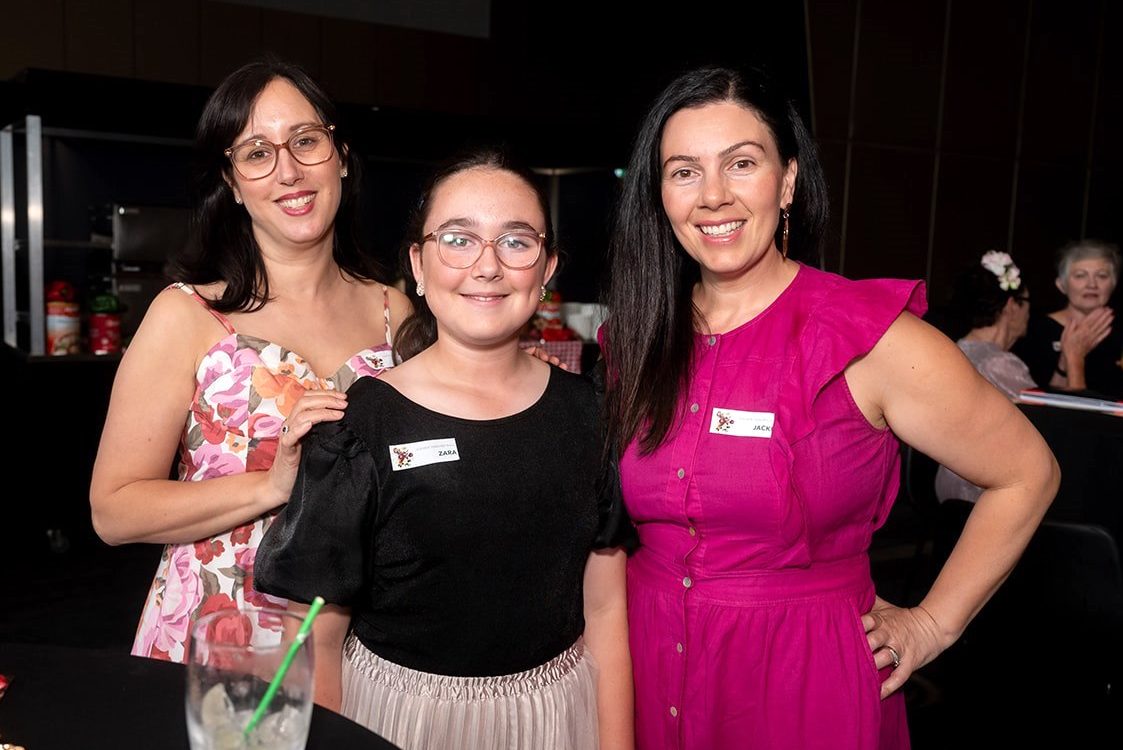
column 1061, row 285
column 551, row 266
column 787, row 194
column 344, row 151
column 233, row 187
column 415, row 261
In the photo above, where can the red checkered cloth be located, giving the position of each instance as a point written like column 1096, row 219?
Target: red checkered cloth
column 569, row 352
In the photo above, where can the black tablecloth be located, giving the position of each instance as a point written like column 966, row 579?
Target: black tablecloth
column 68, row 698
column 1089, row 449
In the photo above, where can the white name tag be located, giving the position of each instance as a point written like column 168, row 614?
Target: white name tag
column 742, row 423
column 423, row 453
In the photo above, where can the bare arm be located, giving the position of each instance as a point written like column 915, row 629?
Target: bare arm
column 606, row 637
column 932, row 398
column 131, row 497
column 328, row 634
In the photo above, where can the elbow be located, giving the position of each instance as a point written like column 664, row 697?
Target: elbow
column 104, row 522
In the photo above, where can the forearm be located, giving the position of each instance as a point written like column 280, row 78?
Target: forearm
column 606, row 638
column 328, row 635
column 170, row 512
column 997, row 532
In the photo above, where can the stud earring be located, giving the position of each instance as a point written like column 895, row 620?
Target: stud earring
column 343, row 172
column 237, row 199
column 784, row 250
column 421, row 289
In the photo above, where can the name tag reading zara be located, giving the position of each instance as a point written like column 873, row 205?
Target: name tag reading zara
column 423, row 453
column 742, row 423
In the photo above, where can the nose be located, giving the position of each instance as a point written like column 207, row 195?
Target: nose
column 487, row 266
column 714, row 190
column 288, row 169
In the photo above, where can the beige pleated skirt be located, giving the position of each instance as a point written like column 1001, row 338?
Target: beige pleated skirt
column 551, row 707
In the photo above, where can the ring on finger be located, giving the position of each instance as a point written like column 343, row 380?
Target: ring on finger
column 896, row 657
column 285, row 428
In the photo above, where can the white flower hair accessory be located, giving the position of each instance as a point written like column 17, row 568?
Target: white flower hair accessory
column 1002, row 266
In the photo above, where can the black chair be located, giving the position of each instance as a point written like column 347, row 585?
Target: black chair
column 1047, row 650
column 934, row 535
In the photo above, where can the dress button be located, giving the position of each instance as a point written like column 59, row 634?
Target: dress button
column 692, row 531
column 674, row 711
column 693, row 408
column 711, row 340
column 687, row 582
column 681, row 473
column 678, row 647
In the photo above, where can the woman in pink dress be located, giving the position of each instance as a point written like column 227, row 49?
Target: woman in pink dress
column 757, row 403
column 282, row 315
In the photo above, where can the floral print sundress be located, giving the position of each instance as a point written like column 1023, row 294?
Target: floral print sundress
column 246, row 387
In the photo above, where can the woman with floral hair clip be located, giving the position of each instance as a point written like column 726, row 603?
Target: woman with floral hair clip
column 993, row 304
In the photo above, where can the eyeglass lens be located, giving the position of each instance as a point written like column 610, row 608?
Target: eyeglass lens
column 515, row 249
column 258, row 158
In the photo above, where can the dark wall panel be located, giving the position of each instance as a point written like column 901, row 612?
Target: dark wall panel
column 1050, row 203
column 986, row 47
column 99, row 36
column 899, row 73
column 971, row 216
column 832, row 50
column 348, row 54
column 294, row 37
column 1105, row 209
column 231, row 36
column 833, row 158
column 1061, row 75
column 887, row 228
column 31, row 36
column 167, row 40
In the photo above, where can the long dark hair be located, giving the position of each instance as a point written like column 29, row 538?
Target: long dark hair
column 419, row 330
column 652, row 316
column 223, row 247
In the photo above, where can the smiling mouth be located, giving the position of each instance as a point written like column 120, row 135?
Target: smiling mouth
column 298, row 202
column 721, row 230
column 484, row 297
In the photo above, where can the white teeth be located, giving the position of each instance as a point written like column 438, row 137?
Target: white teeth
column 720, row 229
column 303, row 200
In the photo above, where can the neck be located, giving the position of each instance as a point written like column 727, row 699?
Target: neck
column 460, row 364
column 300, row 274
column 728, row 301
column 998, row 334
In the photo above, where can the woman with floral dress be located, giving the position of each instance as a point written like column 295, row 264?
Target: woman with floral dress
column 278, row 313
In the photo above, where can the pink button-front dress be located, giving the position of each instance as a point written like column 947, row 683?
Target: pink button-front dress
column 246, row 386
column 745, row 598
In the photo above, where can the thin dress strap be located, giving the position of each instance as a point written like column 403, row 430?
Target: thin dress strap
column 185, row 288
column 386, row 314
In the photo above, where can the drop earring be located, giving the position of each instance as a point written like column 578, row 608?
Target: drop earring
column 237, row 199
column 542, row 295
column 421, row 289
column 784, row 250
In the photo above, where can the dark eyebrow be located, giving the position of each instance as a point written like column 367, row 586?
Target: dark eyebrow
column 724, row 152
column 292, row 129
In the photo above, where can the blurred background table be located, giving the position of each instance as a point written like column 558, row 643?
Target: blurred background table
column 64, row 698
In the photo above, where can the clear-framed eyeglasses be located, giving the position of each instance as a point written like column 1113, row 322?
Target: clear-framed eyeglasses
column 256, row 159
column 459, row 248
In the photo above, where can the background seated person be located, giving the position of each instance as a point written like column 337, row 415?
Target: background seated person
column 993, row 305
column 1077, row 348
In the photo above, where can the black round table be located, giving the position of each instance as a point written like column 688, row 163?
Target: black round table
column 69, row 698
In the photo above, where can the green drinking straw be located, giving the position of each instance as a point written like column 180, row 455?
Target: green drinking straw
column 301, row 637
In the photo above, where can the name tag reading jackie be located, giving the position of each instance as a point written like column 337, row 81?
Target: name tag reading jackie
column 742, row 423
column 423, row 453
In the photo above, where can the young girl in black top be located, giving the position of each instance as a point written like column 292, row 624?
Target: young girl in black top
column 457, row 517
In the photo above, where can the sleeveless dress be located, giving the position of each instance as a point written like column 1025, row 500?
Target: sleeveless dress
column 755, row 518
column 246, row 387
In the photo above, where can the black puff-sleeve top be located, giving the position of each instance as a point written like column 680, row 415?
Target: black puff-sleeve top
column 460, row 545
